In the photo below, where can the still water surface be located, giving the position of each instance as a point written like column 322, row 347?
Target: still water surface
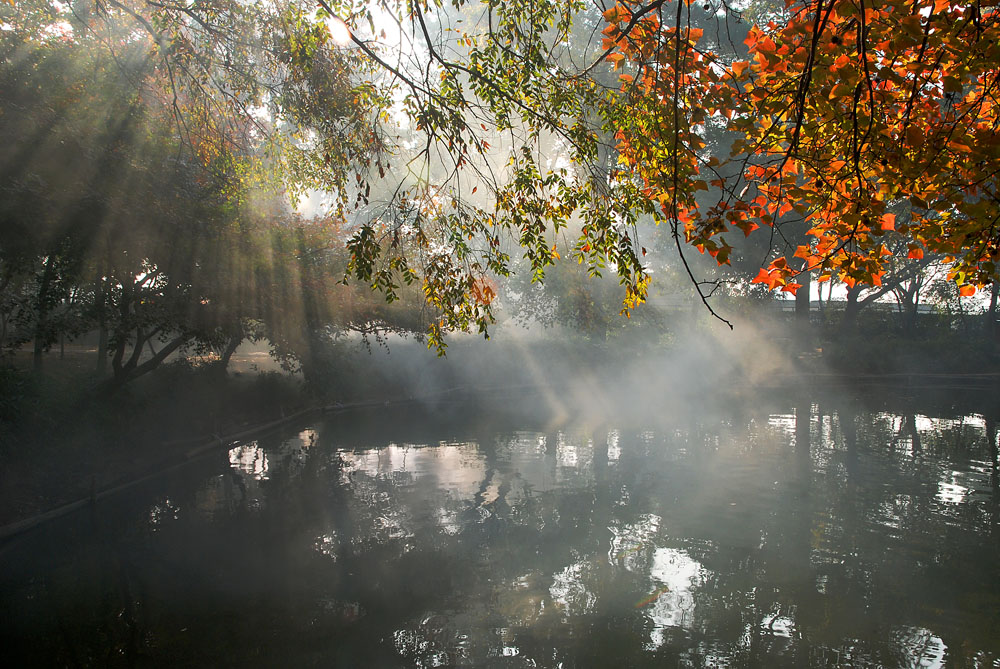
column 801, row 534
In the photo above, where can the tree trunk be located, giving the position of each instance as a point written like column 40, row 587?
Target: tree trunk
column 102, row 349
column 802, row 315
column 962, row 316
column 41, row 313
column 131, row 370
column 102, row 326
column 227, row 354
column 850, row 319
column 908, row 298
column 991, row 313
column 803, row 299
column 36, row 354
column 991, row 438
column 914, row 304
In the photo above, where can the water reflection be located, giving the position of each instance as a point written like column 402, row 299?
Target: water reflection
column 250, row 459
column 677, row 576
column 919, row 648
column 161, row 512
column 454, row 469
column 817, row 534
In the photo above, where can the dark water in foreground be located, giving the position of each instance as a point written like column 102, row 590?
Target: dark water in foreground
column 814, row 533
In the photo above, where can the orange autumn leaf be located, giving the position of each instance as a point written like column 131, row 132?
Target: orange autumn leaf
column 791, row 288
column 772, row 279
column 841, row 62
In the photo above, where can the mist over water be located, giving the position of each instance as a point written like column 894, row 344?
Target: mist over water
column 696, row 362
column 819, row 530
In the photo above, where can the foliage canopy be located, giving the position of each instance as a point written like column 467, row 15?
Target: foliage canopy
column 461, row 142
column 860, row 118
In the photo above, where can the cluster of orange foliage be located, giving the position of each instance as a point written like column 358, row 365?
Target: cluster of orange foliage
column 862, row 117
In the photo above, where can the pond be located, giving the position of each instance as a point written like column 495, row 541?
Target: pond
column 813, row 531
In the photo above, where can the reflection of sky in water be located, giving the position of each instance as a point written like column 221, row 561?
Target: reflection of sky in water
column 614, row 445
column 568, row 453
column 973, row 483
column 456, row 468
column 920, row 648
column 776, row 625
column 931, row 424
column 950, row 491
column 250, row 459
column 782, row 422
column 569, row 591
column 250, row 465
column 675, row 576
column 631, row 541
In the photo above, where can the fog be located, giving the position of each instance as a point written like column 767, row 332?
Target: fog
column 703, row 362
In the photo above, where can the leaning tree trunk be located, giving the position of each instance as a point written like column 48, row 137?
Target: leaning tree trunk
column 227, row 354
column 131, row 369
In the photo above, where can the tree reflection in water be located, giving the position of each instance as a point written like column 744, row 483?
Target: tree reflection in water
column 823, row 533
